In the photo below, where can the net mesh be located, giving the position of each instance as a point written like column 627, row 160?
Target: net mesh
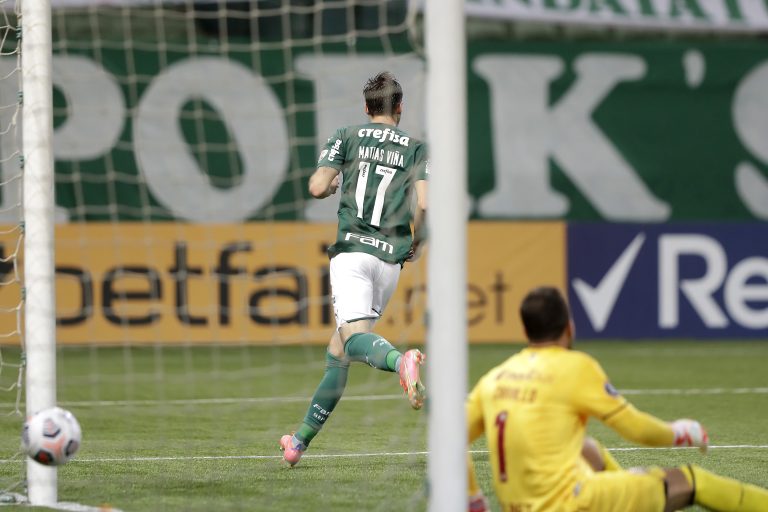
column 11, row 237
column 191, row 275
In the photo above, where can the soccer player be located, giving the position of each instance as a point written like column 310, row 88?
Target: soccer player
column 381, row 169
column 533, row 409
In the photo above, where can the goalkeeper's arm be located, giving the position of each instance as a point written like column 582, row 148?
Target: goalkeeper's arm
column 645, row 429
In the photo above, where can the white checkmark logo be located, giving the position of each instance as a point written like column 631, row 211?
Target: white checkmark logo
column 598, row 301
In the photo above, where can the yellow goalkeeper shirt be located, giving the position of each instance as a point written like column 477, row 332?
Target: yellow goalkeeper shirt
column 534, row 408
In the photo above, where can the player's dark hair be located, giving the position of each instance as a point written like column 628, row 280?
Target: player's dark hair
column 545, row 314
column 382, row 94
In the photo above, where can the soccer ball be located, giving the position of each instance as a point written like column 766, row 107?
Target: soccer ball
column 51, row 436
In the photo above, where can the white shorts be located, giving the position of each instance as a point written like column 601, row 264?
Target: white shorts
column 361, row 285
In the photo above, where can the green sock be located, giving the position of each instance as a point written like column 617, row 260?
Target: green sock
column 370, row 348
column 393, row 360
column 327, row 395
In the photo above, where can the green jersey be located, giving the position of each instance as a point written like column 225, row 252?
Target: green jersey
column 379, row 164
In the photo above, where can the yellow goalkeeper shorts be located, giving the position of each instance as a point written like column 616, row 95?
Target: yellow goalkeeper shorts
column 620, row 491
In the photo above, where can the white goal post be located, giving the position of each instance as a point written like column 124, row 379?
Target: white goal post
column 38, row 214
column 445, row 41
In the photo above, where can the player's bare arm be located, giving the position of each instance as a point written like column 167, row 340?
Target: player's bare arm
column 324, row 182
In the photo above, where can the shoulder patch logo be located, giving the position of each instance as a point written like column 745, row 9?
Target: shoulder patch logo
column 322, row 155
column 610, row 389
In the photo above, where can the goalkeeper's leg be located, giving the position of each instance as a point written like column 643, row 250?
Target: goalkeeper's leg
column 692, row 484
column 598, row 456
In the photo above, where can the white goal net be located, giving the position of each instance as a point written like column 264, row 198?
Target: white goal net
column 192, row 284
column 11, row 243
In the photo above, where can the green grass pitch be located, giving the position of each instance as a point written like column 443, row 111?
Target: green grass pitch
column 196, row 428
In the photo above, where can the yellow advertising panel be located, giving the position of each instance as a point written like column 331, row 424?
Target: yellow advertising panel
column 267, row 283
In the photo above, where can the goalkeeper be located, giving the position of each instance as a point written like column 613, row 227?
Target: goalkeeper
column 534, row 408
column 382, row 168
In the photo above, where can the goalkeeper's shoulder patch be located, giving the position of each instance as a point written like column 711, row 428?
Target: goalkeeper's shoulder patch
column 610, row 389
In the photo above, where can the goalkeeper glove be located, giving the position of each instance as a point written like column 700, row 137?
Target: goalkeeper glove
column 690, row 433
column 478, row 503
